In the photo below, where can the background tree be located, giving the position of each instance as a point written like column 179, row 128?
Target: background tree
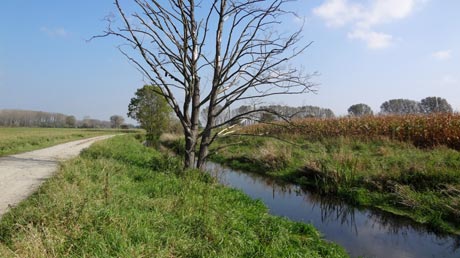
column 218, row 119
column 29, row 118
column 151, row 110
column 360, row 110
column 267, row 117
column 86, row 122
column 435, row 105
column 239, row 45
column 71, row 121
column 400, row 107
column 116, row 121
column 309, row 111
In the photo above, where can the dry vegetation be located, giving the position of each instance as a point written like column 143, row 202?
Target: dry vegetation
column 421, row 130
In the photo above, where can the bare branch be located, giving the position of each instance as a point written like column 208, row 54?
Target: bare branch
column 234, row 43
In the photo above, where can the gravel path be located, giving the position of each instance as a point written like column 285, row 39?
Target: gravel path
column 22, row 174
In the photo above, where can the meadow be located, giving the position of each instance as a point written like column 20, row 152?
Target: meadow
column 121, row 199
column 406, row 165
column 21, row 139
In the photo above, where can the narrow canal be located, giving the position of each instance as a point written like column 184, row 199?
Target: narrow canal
column 362, row 232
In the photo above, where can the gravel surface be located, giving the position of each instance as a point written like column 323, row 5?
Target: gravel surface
column 22, row 174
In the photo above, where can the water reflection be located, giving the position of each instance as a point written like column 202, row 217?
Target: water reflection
column 363, row 232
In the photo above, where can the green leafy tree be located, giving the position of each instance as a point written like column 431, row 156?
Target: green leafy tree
column 360, row 110
column 435, row 105
column 151, row 110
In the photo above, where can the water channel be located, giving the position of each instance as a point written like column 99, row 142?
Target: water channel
column 362, row 232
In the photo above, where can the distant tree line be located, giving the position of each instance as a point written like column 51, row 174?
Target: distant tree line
column 427, row 105
column 270, row 113
column 299, row 112
column 88, row 122
column 29, row 118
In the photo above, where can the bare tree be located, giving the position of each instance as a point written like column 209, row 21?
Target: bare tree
column 211, row 54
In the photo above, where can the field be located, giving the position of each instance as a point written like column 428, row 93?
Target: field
column 121, row 199
column 405, row 165
column 420, row 130
column 19, row 139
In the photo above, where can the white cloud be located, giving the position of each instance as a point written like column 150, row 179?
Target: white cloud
column 55, row 32
column 363, row 18
column 442, row 54
column 338, row 13
column 385, row 11
column 374, row 40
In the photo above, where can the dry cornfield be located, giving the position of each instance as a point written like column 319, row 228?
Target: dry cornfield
column 421, row 130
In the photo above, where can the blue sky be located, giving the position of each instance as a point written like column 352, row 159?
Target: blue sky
column 365, row 51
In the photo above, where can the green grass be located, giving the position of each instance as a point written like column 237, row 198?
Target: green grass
column 120, row 199
column 423, row 184
column 21, row 139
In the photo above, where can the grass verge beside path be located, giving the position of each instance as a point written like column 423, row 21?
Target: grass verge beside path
column 422, row 184
column 15, row 140
column 120, row 199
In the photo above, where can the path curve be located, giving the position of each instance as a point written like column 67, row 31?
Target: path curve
column 22, row 174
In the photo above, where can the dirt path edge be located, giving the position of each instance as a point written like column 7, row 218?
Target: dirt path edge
column 22, row 174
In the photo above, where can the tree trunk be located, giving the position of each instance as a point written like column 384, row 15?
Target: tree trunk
column 190, row 143
column 204, row 149
column 192, row 138
column 250, row 64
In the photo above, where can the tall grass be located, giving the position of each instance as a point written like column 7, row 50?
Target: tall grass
column 120, row 199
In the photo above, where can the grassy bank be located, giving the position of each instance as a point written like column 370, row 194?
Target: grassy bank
column 120, row 199
column 22, row 139
column 423, row 184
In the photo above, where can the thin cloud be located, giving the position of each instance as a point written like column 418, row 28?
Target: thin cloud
column 361, row 19
column 448, row 80
column 442, row 55
column 55, row 32
column 374, row 40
